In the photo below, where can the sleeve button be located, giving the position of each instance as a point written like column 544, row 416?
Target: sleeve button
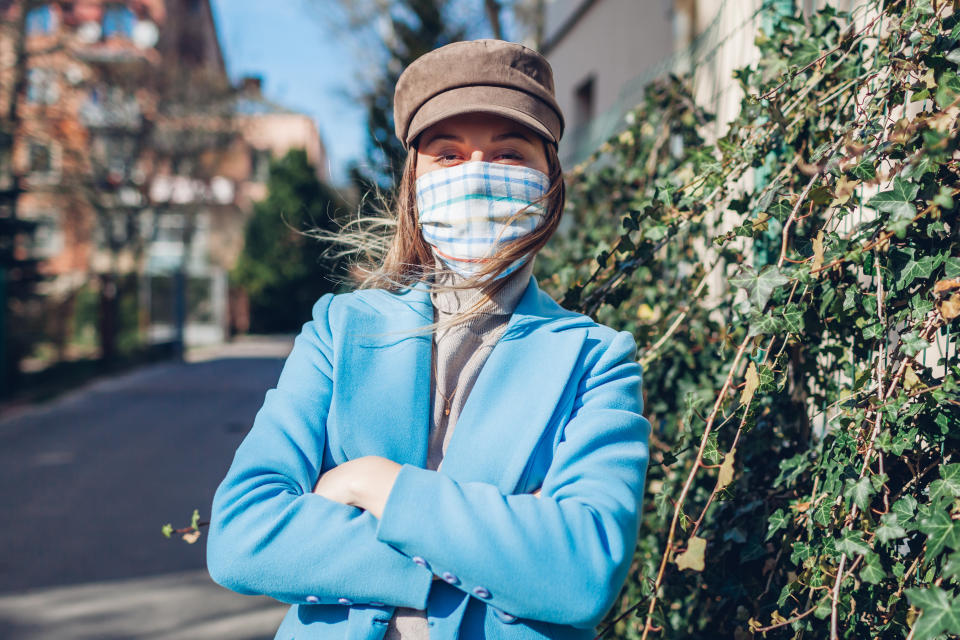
column 345, row 601
column 449, row 577
column 420, row 561
column 481, row 592
column 503, row 616
column 313, row 599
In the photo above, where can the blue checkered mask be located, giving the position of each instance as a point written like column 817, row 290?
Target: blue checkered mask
column 470, row 210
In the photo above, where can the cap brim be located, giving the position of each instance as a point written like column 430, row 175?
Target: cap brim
column 510, row 103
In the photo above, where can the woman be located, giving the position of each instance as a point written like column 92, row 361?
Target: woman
column 448, row 452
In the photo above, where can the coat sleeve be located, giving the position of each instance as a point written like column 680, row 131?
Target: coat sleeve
column 269, row 534
column 560, row 558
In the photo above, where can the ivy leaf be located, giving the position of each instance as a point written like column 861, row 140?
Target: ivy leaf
column 778, row 520
column 948, row 484
column 711, row 452
column 852, row 543
column 759, row 286
column 947, row 89
column 751, row 384
column 941, row 612
column 726, row 470
column 806, row 52
column 692, row 558
column 763, row 324
column 780, row 210
column 864, row 170
column 912, row 344
column 859, row 492
column 794, row 319
column 167, row 530
column 951, row 268
column 898, row 201
column 941, row 532
column 905, row 509
column 914, row 269
column 872, row 570
column 889, row 528
column 823, row 512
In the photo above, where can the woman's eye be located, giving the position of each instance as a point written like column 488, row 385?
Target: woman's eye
column 447, row 158
column 509, row 155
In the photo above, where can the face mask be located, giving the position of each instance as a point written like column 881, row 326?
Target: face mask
column 467, row 212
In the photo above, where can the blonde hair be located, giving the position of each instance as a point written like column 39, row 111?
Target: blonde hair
column 389, row 252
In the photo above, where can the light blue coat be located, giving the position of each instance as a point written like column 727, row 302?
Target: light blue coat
column 557, row 406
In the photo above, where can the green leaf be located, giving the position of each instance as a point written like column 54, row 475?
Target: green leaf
column 898, row 201
column 763, row 324
column 905, row 509
column 780, row 210
column 759, row 286
column 859, row 492
column 167, row 530
column 951, row 268
column 912, row 344
column 794, row 319
column 914, row 269
column 852, row 543
column 889, row 528
column 865, row 170
column 948, row 88
column 806, row 52
column 948, row 484
column 941, row 532
column 778, row 520
column 872, row 570
column 823, row 512
column 940, row 612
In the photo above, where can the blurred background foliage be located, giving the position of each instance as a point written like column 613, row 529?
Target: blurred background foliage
column 282, row 269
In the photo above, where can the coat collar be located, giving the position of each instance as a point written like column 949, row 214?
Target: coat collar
column 524, row 380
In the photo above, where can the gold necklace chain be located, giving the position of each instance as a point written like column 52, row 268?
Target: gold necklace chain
column 436, row 382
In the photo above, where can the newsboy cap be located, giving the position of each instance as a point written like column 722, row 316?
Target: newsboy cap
column 491, row 76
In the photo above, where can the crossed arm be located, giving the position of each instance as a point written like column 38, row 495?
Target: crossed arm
column 562, row 558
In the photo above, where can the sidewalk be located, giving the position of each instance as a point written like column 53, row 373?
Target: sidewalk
column 253, row 346
column 184, row 606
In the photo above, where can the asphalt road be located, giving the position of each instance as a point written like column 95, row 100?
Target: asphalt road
column 88, row 481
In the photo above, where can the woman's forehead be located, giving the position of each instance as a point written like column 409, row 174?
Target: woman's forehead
column 477, row 125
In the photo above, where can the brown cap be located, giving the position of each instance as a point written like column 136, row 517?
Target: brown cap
column 492, row 76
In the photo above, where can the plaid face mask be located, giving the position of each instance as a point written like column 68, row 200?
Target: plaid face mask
column 468, row 211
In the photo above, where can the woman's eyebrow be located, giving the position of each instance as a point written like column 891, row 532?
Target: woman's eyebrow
column 512, row 134
column 441, row 136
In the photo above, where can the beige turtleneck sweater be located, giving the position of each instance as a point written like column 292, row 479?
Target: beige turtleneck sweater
column 460, row 352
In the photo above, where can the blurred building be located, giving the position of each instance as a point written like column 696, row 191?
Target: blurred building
column 137, row 158
column 605, row 52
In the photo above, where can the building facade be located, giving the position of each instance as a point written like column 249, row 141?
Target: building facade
column 138, row 161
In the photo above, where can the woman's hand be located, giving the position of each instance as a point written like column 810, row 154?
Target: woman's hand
column 363, row 482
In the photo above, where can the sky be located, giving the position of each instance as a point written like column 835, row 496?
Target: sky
column 305, row 65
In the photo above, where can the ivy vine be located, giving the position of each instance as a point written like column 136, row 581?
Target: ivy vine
column 800, row 368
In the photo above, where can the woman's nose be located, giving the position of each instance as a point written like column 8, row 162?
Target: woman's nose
column 476, row 155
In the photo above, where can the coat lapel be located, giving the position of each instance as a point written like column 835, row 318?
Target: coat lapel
column 382, row 400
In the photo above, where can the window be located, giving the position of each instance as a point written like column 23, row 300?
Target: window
column 41, row 159
column 259, row 165
column 41, row 20
column 583, row 99
column 118, row 20
column 47, row 239
column 42, row 86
